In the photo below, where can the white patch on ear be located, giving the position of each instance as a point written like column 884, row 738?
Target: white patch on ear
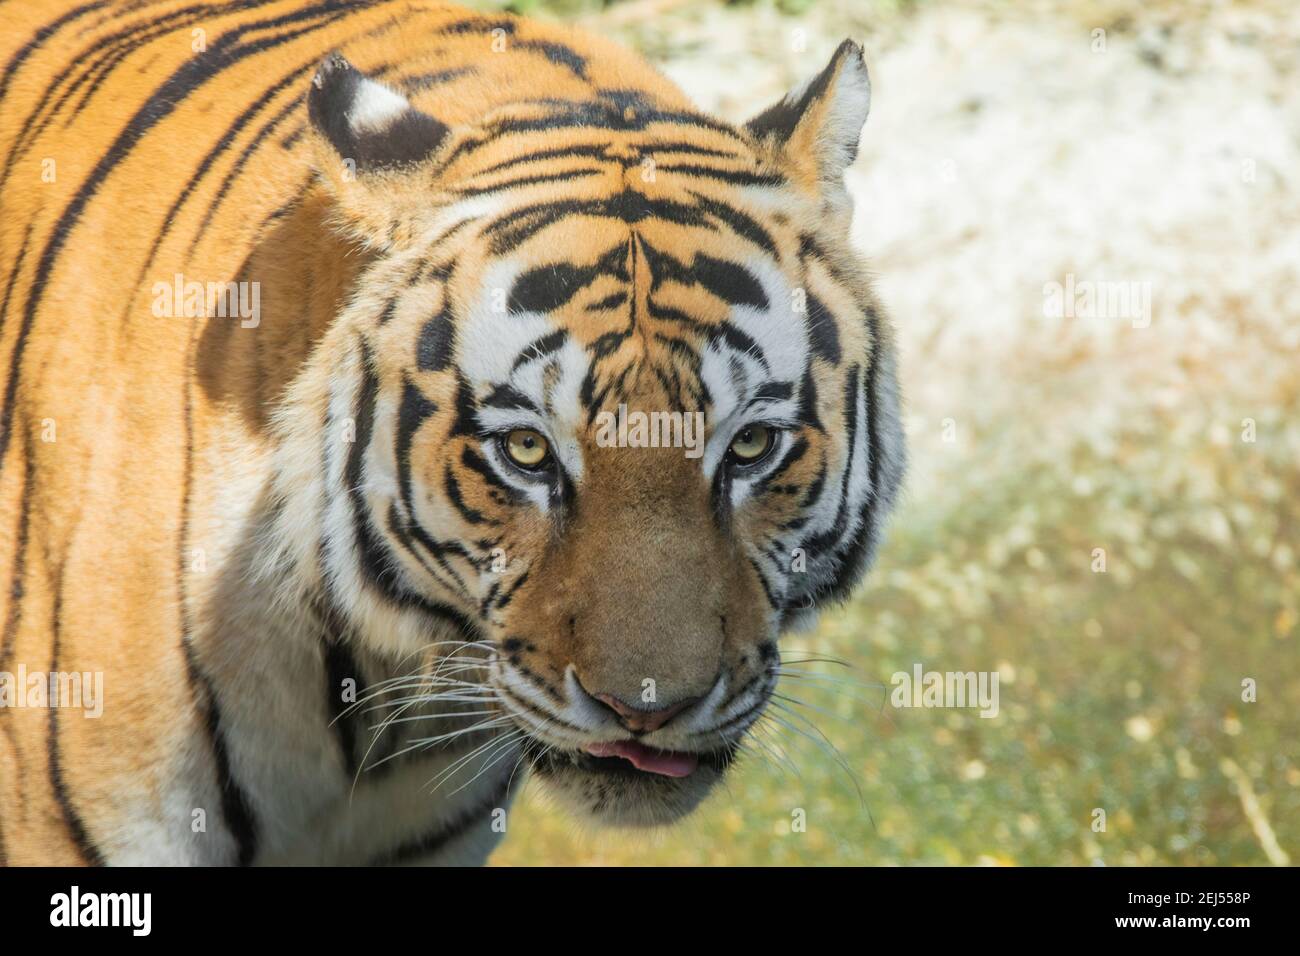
column 850, row 102
column 374, row 107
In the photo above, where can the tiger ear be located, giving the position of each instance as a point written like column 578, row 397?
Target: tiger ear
column 816, row 127
column 368, row 126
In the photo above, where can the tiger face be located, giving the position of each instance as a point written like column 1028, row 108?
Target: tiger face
column 625, row 410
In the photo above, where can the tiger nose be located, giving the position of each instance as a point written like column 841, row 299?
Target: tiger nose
column 641, row 721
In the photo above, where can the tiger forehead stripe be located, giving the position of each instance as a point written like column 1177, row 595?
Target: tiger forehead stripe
column 613, row 110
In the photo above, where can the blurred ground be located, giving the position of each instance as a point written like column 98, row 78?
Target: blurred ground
column 1006, row 150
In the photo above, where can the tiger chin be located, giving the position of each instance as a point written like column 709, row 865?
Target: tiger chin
column 354, row 566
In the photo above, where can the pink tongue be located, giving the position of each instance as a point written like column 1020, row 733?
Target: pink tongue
column 662, row 762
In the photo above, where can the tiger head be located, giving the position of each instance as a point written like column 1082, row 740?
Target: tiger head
column 625, row 409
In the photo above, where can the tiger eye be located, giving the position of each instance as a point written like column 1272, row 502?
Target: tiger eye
column 751, row 443
column 526, row 448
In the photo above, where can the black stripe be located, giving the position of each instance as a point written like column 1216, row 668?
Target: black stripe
column 808, row 401
column 287, row 207
column 551, row 286
column 504, row 600
column 768, row 593
column 235, row 806
column 225, row 53
column 466, row 420
column 39, row 38
column 340, row 665
column 732, row 283
column 854, row 556
column 71, row 818
column 548, row 287
column 738, row 222
column 374, row 559
column 873, row 438
column 823, row 331
column 815, row 489
column 739, row 342
column 542, row 347
column 435, row 347
column 107, row 57
column 540, row 683
column 611, row 113
column 16, row 587
column 419, row 82
column 510, row 398
column 600, row 150
column 692, row 149
column 290, row 139
column 99, row 60
column 597, row 150
column 169, row 220
column 452, row 487
column 557, row 53
column 563, row 176
column 480, row 24
column 737, row 177
column 611, row 301
column 809, row 248
column 797, row 450
column 446, row 832
column 518, row 225
column 476, row 462
column 488, row 599
column 412, row 532
column 13, row 273
column 720, row 495
column 413, row 411
column 828, row 539
column 773, row 391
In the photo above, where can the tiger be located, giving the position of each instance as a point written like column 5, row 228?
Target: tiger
column 401, row 402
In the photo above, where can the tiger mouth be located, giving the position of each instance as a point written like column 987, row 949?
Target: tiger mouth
column 666, row 763
column 632, row 759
